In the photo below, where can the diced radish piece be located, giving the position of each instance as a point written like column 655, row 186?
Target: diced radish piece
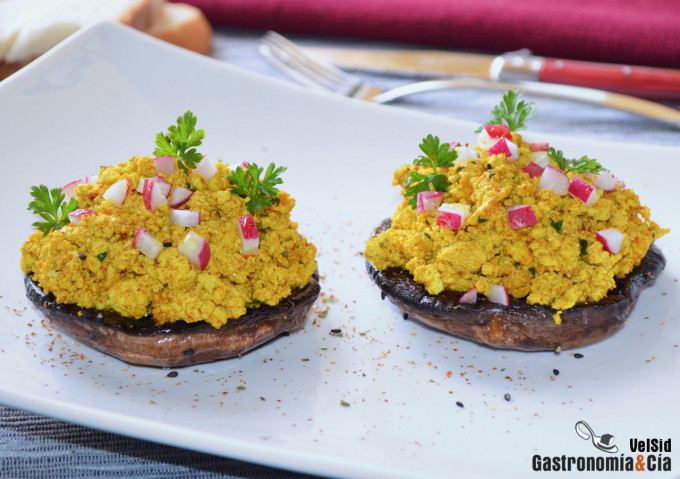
column 498, row 294
column 498, row 131
column 147, row 244
column 429, row 201
column 153, row 197
column 533, row 169
column 180, row 196
column 452, row 215
column 117, row 192
column 196, row 249
column 507, row 147
column 164, row 164
column 140, row 185
column 539, row 146
column 163, row 185
column 185, row 218
column 465, row 153
column 69, row 189
column 520, row 216
column 206, row 169
column 469, row 298
column 583, row 191
column 606, row 181
column 250, row 238
column 91, row 179
column 541, row 158
column 244, row 164
column 77, row 215
column 611, row 239
column 554, row 179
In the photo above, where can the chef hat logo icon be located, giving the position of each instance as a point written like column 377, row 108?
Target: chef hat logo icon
column 605, row 442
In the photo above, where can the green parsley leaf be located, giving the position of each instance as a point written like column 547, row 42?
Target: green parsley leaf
column 557, row 225
column 437, row 156
column 482, row 220
column 261, row 193
column 512, row 110
column 181, row 141
column 532, row 270
column 101, row 256
column 581, row 165
column 51, row 206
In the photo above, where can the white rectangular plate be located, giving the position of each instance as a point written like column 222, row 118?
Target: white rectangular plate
column 388, row 397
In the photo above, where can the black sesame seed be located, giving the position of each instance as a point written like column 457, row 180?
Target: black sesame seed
column 459, row 404
column 82, row 256
column 167, row 244
column 578, row 355
column 173, row 374
column 488, row 166
column 405, row 315
column 556, row 372
column 506, row 397
column 382, row 295
column 336, row 331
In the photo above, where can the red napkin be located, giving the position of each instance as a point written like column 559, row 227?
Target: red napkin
column 639, row 32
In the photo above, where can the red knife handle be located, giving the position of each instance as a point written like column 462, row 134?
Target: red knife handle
column 647, row 82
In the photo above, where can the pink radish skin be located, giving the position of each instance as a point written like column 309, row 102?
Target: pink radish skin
column 499, row 295
column 469, row 298
column 506, row 147
column 185, row 218
column 429, row 201
column 452, row 215
column 147, row 244
column 153, row 197
column 608, row 182
column 117, row 192
column 196, row 250
column 533, row 169
column 498, row 131
column 164, row 164
column 521, row 216
column 206, row 169
column 250, row 238
column 554, row 179
column 69, row 189
column 163, row 185
column 539, row 146
column 583, row 191
column 75, row 216
column 611, row 240
column 91, row 179
column 179, row 196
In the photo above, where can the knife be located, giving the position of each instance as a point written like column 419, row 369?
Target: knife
column 646, row 82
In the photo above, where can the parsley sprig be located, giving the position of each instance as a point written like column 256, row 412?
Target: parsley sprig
column 437, row 156
column 578, row 165
column 181, row 141
column 514, row 111
column 261, row 193
column 51, row 206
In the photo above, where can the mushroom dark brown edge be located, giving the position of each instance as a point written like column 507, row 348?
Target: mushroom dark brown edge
column 519, row 326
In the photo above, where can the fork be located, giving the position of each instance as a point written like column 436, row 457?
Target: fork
column 298, row 65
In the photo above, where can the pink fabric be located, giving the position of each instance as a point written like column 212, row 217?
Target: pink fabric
column 641, row 32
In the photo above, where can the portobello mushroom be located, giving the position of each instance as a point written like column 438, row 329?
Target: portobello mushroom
column 143, row 342
column 520, row 325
